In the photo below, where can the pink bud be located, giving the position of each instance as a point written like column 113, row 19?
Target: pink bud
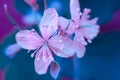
column 32, row 3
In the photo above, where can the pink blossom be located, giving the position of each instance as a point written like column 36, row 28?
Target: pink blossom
column 66, row 29
column 85, row 29
column 48, row 43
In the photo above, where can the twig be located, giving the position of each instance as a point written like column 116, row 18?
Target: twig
column 45, row 4
column 10, row 18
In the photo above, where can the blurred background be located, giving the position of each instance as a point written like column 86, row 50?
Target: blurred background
column 102, row 57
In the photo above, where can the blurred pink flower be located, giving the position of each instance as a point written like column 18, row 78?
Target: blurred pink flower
column 6, row 27
column 48, row 43
column 32, row 3
column 12, row 50
column 113, row 25
column 2, row 75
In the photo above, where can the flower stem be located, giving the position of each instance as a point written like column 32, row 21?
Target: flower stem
column 76, row 68
column 10, row 18
column 35, row 16
column 45, row 4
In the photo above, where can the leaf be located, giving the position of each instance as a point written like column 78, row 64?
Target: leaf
column 54, row 69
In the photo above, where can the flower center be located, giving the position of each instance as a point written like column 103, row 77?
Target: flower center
column 45, row 43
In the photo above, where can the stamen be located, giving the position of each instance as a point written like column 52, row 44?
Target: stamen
column 89, row 40
column 28, row 51
column 32, row 55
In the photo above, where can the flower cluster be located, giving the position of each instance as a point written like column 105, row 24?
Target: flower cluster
column 54, row 36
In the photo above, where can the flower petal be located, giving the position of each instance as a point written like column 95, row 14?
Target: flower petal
column 86, row 34
column 87, row 29
column 48, row 24
column 71, row 28
column 63, row 23
column 75, row 9
column 79, row 49
column 29, row 39
column 90, row 32
column 61, row 46
column 85, row 16
column 12, row 50
column 54, row 69
column 43, row 59
column 79, row 36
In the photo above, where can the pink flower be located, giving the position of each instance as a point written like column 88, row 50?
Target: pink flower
column 66, row 29
column 32, row 3
column 47, row 44
column 85, row 29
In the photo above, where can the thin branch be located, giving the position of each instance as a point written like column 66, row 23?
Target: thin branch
column 45, row 4
column 10, row 18
column 35, row 16
column 76, row 67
